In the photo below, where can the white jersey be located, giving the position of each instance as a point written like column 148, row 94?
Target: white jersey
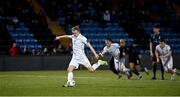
column 78, row 46
column 113, row 50
column 163, row 51
column 167, row 61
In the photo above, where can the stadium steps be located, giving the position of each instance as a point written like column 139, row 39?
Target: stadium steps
column 37, row 8
column 53, row 25
column 57, row 31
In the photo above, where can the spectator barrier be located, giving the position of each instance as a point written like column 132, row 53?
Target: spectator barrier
column 8, row 63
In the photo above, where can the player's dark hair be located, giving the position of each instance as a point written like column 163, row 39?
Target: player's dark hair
column 162, row 40
column 109, row 39
column 156, row 26
column 76, row 28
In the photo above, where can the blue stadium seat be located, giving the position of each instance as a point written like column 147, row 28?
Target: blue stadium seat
column 115, row 25
column 109, row 25
column 38, row 46
column 15, row 36
column 23, row 37
column 19, row 41
column 87, row 24
column 27, row 41
column 31, row 46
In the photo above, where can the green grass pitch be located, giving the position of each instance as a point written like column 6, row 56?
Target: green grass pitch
column 101, row 82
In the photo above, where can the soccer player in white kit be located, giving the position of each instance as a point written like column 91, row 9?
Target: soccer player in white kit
column 163, row 55
column 79, row 56
column 119, row 63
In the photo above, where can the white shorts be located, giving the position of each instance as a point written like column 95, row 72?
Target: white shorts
column 120, row 64
column 167, row 63
column 77, row 61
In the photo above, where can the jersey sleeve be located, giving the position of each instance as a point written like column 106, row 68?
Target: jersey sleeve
column 84, row 40
column 70, row 36
column 157, row 48
column 151, row 38
column 168, row 48
column 104, row 50
column 117, row 45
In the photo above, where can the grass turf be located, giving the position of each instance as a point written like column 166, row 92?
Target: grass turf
column 104, row 83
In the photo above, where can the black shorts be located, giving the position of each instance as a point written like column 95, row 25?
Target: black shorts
column 135, row 61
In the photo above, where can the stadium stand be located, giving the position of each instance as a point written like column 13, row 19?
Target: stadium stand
column 29, row 29
column 130, row 19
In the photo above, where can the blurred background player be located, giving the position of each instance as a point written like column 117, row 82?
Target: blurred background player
column 117, row 63
column 154, row 41
column 164, row 56
column 134, row 61
column 79, row 56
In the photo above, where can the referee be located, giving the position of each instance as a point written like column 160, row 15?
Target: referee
column 154, row 41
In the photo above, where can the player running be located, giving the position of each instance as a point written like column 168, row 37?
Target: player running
column 134, row 61
column 163, row 55
column 79, row 56
column 117, row 63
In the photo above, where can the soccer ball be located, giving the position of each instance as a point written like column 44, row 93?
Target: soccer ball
column 71, row 83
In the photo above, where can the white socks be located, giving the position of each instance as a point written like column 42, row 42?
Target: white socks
column 70, row 76
column 95, row 66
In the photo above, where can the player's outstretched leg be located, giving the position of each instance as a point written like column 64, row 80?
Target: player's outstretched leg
column 96, row 65
column 144, row 69
column 174, row 73
column 129, row 74
column 113, row 69
column 134, row 69
column 137, row 68
column 127, row 71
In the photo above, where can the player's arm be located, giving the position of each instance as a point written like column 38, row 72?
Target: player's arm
column 92, row 50
column 157, row 56
column 150, row 48
column 167, row 55
column 138, row 53
column 102, row 53
column 63, row 36
column 139, row 56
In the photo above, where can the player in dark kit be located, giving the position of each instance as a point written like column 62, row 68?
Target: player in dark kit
column 123, row 49
column 154, row 41
column 134, row 61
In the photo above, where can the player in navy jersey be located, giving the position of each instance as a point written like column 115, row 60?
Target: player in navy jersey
column 154, row 41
